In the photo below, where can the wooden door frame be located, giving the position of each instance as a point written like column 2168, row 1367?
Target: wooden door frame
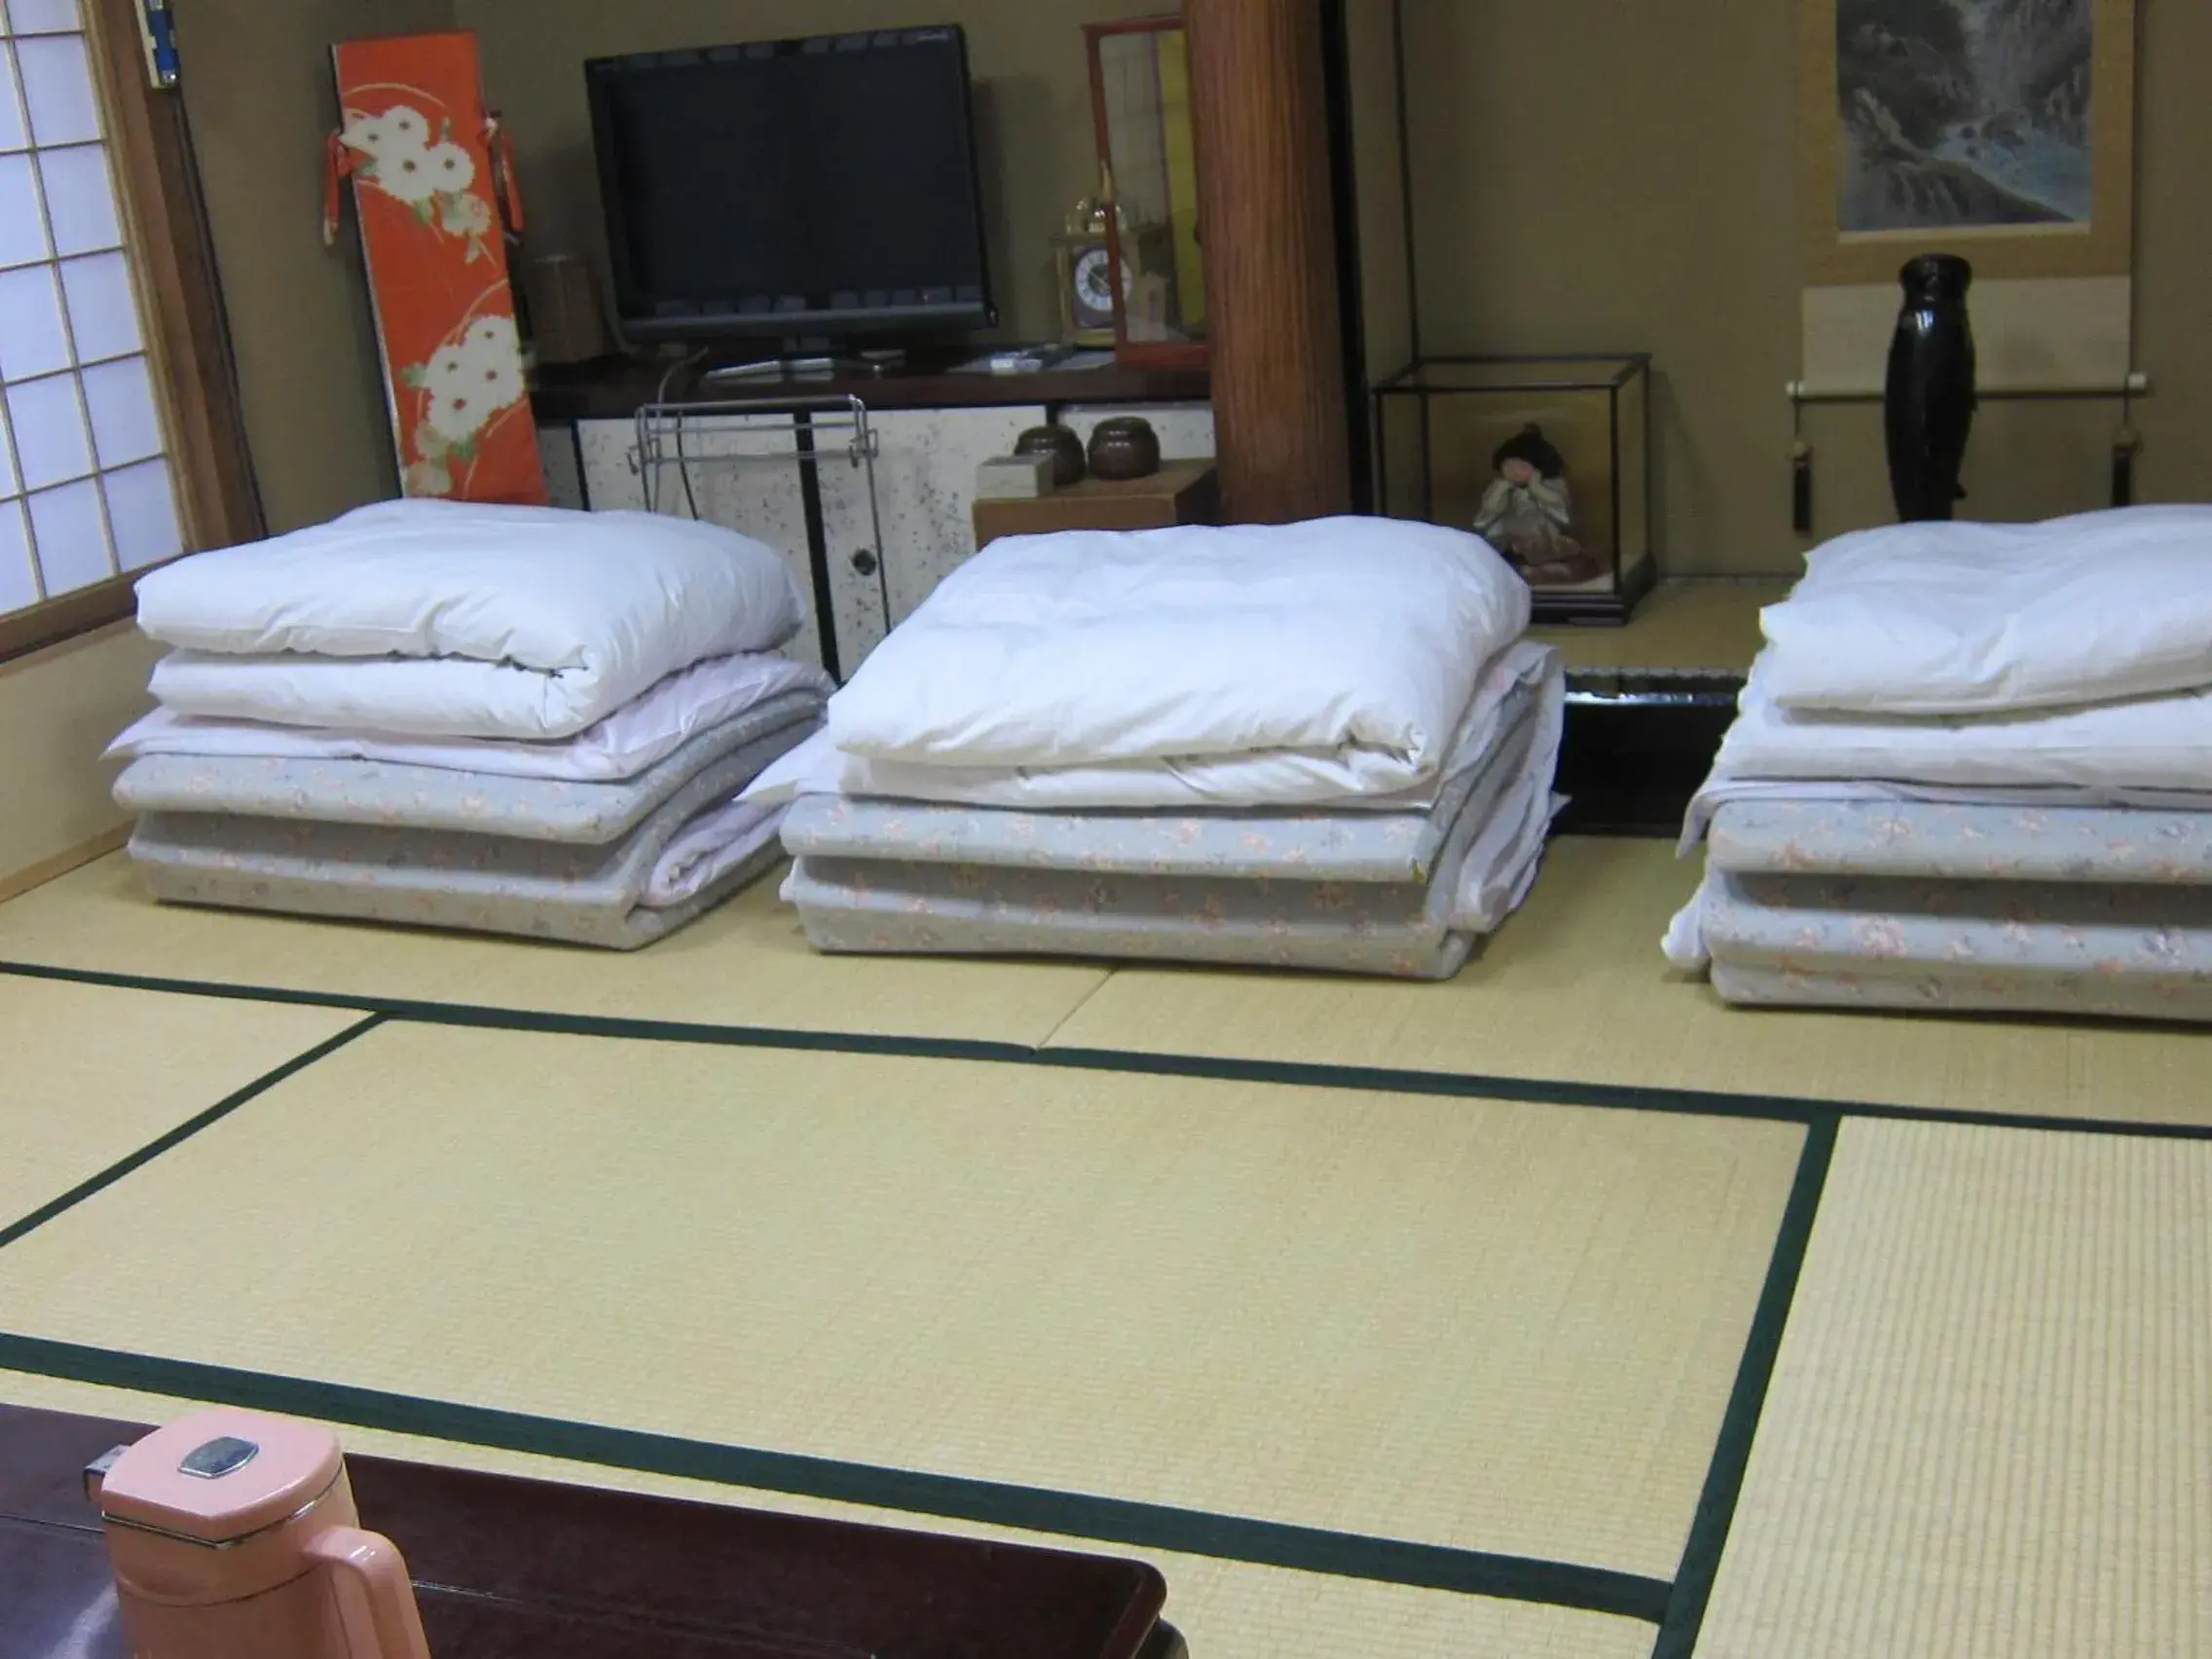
column 188, row 337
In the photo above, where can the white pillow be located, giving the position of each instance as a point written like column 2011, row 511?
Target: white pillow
column 1973, row 618
column 628, row 596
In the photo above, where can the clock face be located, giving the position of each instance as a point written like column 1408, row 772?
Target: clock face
column 1093, row 284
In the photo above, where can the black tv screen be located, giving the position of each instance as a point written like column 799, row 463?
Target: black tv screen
column 792, row 187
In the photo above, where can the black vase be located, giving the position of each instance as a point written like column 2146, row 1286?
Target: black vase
column 1928, row 400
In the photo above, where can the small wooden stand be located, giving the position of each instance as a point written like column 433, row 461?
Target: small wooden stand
column 1181, row 492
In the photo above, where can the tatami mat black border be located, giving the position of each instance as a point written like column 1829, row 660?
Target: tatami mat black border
column 1617, row 1096
column 1739, row 1424
column 183, row 1132
column 1117, row 1522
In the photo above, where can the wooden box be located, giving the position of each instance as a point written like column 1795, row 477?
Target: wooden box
column 1181, row 492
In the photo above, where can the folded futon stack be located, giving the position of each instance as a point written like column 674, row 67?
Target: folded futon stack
column 1320, row 745
column 515, row 719
column 1972, row 769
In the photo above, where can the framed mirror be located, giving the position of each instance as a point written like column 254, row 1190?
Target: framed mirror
column 1140, row 96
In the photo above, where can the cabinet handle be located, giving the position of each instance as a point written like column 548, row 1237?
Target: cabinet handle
column 864, row 562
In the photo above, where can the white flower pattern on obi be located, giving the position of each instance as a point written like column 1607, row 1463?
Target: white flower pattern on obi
column 426, row 478
column 470, row 380
column 465, row 216
column 399, row 132
column 449, row 167
column 430, row 171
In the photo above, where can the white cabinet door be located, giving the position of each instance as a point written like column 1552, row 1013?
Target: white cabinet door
column 1186, row 430
column 564, row 467
column 742, row 474
column 921, row 530
column 610, row 451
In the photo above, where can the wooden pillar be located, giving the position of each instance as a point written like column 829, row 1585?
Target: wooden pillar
column 1260, row 126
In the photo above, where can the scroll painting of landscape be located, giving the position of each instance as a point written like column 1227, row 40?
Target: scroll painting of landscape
column 1965, row 114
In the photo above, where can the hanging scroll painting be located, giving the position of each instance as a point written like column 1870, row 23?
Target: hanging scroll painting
column 2002, row 131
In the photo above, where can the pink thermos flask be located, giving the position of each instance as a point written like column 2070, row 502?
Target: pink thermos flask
column 234, row 1536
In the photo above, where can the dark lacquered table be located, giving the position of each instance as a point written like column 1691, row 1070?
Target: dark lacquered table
column 508, row 1569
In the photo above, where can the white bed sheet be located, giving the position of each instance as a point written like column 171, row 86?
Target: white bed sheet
column 819, row 766
column 1509, row 849
column 715, row 842
column 620, row 745
column 1354, row 644
column 2108, row 749
column 1966, row 619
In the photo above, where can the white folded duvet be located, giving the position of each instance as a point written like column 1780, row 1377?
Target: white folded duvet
column 1975, row 619
column 2144, row 743
column 621, row 746
column 438, row 618
column 1354, row 644
column 1353, row 780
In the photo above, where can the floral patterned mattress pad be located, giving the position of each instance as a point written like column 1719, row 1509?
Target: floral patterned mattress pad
column 433, row 799
column 2087, row 910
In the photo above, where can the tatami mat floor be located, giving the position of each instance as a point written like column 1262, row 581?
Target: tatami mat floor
column 1169, row 1291
column 1990, row 1427
column 90, row 1074
column 1147, row 1261
column 746, row 963
column 1574, row 992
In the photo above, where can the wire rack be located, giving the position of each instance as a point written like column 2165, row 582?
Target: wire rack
column 671, row 435
column 711, row 433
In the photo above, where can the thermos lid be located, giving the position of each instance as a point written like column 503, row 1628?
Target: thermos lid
column 219, row 1475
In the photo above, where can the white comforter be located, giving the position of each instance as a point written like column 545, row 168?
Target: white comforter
column 2145, row 743
column 440, row 620
column 1523, row 672
column 1354, row 644
column 1967, row 618
column 624, row 744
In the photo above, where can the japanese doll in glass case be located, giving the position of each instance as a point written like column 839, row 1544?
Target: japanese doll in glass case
column 1528, row 513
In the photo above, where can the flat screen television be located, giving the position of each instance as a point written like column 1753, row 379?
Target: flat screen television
column 816, row 189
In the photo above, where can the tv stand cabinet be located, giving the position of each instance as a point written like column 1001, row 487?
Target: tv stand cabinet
column 933, row 426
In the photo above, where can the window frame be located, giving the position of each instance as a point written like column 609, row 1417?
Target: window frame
column 172, row 254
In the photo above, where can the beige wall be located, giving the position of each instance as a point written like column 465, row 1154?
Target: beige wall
column 1033, row 106
column 58, row 708
column 1595, row 175
column 1378, row 179
column 257, row 83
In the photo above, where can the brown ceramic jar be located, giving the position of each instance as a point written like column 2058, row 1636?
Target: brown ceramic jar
column 1062, row 445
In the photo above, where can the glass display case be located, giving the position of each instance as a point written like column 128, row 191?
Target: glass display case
column 1548, row 458
column 1140, row 98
